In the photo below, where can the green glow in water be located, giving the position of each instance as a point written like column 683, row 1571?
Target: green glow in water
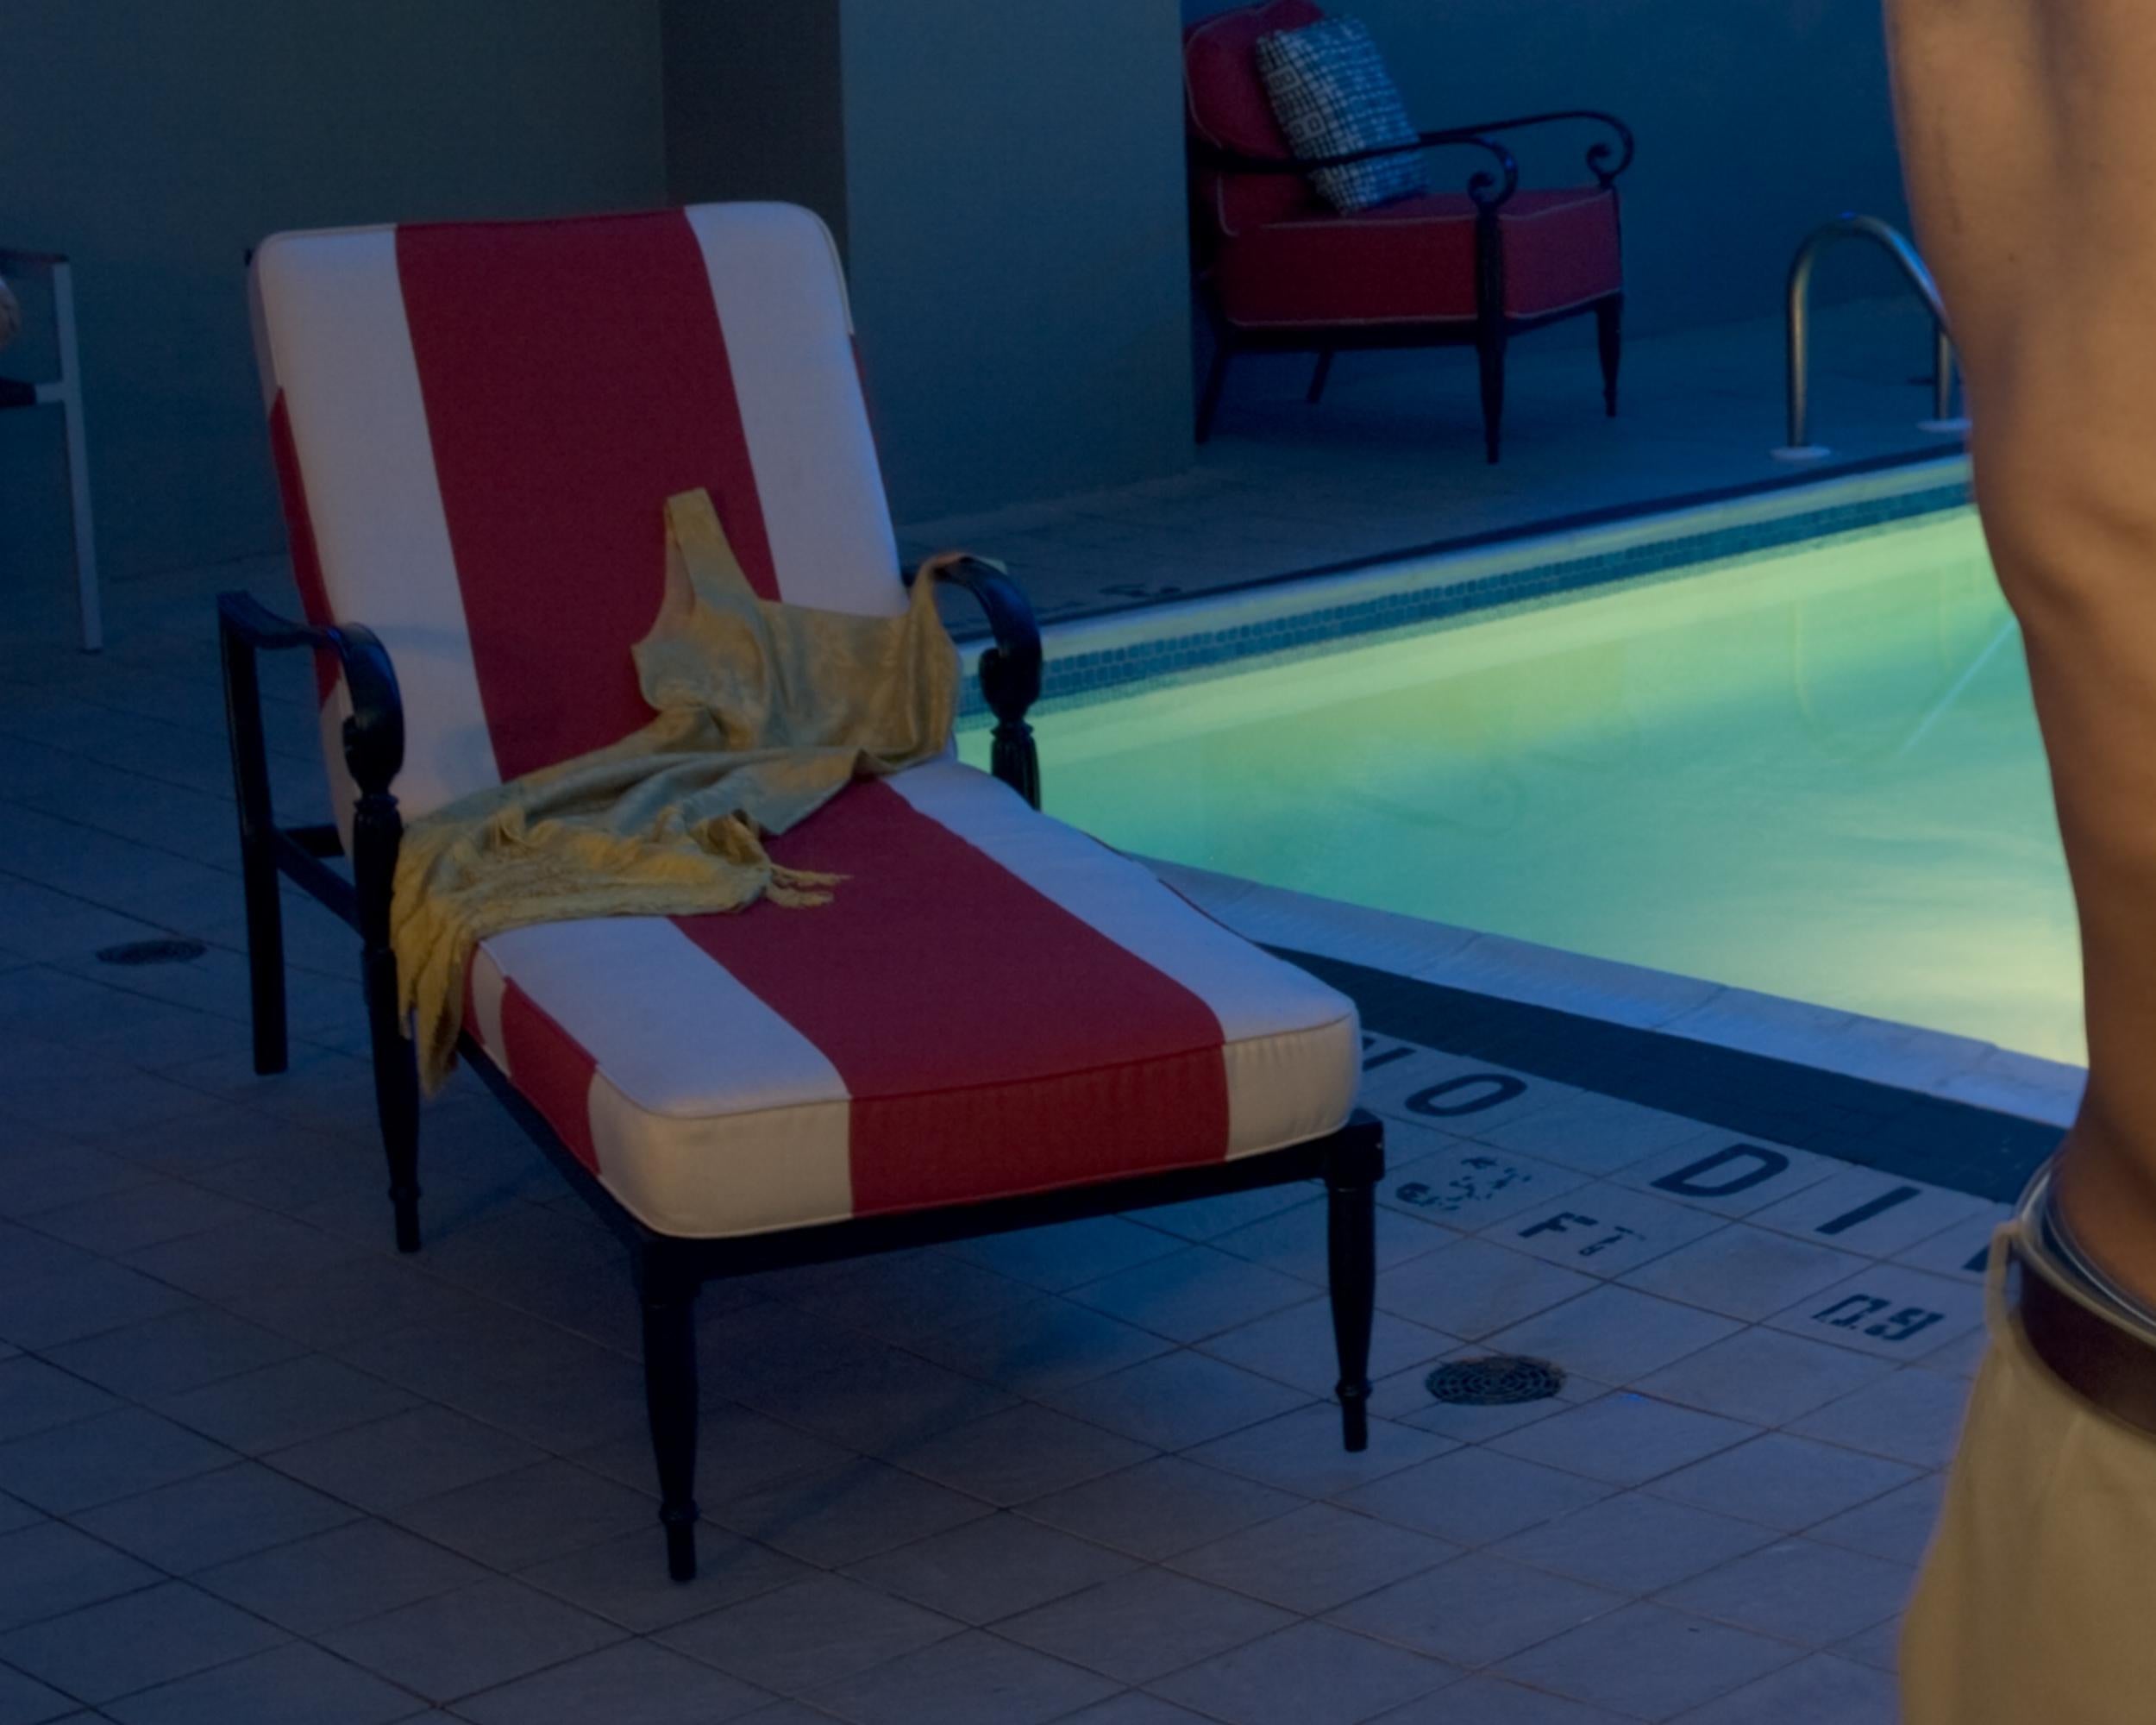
column 1816, row 774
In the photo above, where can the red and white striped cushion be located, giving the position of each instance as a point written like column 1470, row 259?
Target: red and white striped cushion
column 993, row 1003
column 475, row 427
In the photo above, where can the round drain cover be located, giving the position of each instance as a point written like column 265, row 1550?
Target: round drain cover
column 1494, row 1380
column 175, row 951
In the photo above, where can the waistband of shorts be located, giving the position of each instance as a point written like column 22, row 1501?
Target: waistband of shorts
column 2103, row 1353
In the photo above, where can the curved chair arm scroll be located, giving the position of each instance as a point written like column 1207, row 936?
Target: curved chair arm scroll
column 1605, row 159
column 1489, row 190
column 1010, row 670
column 374, row 733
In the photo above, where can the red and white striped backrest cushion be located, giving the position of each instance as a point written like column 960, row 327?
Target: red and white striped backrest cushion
column 477, row 425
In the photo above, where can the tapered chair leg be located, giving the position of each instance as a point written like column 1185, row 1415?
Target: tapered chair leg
column 1609, row 327
column 1351, row 1254
column 1319, row 376
column 1489, row 349
column 258, row 861
column 670, row 1394
column 1216, row 377
column 377, row 831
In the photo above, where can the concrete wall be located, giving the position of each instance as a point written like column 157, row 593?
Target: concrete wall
column 156, row 140
column 1756, row 119
column 1018, row 243
column 753, row 105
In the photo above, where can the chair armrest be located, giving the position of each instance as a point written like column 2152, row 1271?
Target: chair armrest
column 1599, row 154
column 1010, row 670
column 374, row 732
column 1488, row 191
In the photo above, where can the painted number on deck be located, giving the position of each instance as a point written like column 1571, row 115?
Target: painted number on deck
column 1858, row 1312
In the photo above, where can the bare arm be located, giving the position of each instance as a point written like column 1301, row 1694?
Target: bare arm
column 2029, row 139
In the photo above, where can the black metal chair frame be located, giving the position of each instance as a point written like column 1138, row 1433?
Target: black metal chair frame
column 1489, row 331
column 667, row 1270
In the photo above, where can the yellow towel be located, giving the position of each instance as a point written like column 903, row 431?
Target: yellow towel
column 764, row 712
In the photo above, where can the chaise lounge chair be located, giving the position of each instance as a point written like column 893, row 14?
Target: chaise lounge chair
column 996, row 1023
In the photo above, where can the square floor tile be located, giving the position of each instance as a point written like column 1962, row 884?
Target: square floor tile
column 1820, row 1687
column 1068, row 1253
column 969, row 1679
column 625, row 1581
column 1475, row 1610
column 51, row 1569
column 738, row 1454
column 1314, row 1559
column 1897, row 1526
column 1161, row 1506
column 817, row 1631
column 1177, row 1400
column 339, row 1576
column 214, row 1517
column 1595, row 1134
column 845, row 1514
column 1799, row 1590
column 1744, row 1272
column 115, row 1647
column 25, row 1703
column 1913, row 1416
column 1961, row 1250
column 1473, row 1496
column 1603, row 1230
column 1295, row 1243
column 1870, row 1212
column 174, row 1353
column 1135, row 1708
column 291, row 1683
column 1887, row 1310
column 33, row 1395
column 882, row 1407
column 1649, row 1662
column 1019, row 1454
column 1303, row 1452
column 1205, row 1218
column 1309, row 1674
column 404, row 1459
column 633, row 1683
column 1764, row 1377
column 1614, row 1335
column 1144, row 1625
column 1198, row 1291
column 81, row 1300
column 287, row 1404
column 1472, row 1289
column 1037, row 1349
column 1296, row 1346
column 1491, row 1700
column 476, row 1638
column 1635, row 1543
column 902, row 1296
column 1730, row 1175
column 992, row 1568
column 1624, row 1438
column 69, row 1468
column 1879, row 1646
column 515, row 1520
column 1469, row 1186
column 1783, row 1482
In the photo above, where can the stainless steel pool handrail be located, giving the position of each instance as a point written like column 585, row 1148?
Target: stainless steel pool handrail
column 1896, row 244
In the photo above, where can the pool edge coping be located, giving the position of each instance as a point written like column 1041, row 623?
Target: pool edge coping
column 1883, row 1051
column 1092, row 658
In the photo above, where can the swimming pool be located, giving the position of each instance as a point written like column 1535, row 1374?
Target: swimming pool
column 1816, row 773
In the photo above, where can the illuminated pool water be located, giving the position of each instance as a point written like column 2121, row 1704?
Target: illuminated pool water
column 1816, row 774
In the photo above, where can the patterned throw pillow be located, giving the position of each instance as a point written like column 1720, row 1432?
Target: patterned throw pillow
column 1332, row 96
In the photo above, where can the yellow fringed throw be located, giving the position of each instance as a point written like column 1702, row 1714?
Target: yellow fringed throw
column 764, row 712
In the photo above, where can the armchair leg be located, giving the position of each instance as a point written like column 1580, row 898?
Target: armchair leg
column 1216, row 377
column 1609, row 324
column 1489, row 349
column 670, row 1394
column 258, row 860
column 1351, row 1254
column 377, row 832
column 1318, row 376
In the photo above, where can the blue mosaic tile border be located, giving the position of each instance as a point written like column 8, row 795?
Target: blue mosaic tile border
column 1083, row 679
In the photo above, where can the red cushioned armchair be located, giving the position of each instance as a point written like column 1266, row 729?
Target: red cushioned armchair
column 1280, row 270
